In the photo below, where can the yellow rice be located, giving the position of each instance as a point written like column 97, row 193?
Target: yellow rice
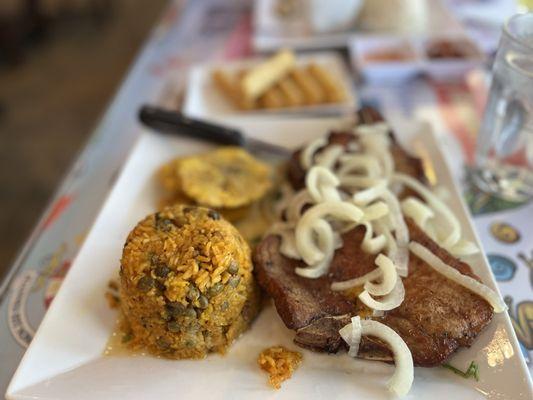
column 186, row 283
column 279, row 363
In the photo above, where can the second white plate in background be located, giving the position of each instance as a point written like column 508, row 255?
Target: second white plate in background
column 204, row 100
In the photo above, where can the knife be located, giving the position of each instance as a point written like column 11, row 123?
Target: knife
column 173, row 122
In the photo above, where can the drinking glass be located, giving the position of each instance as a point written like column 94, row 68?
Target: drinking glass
column 504, row 152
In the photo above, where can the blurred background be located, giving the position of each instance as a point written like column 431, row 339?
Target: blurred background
column 60, row 63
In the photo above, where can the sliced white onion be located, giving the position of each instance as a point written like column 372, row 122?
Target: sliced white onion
column 400, row 227
column 378, row 145
column 321, row 184
column 365, row 163
column 374, row 245
column 329, row 156
column 388, row 163
column 389, row 276
column 371, row 244
column 296, row 205
column 358, row 181
column 381, row 228
column 359, row 281
column 353, row 146
column 399, row 256
column 384, row 224
column 388, row 302
column 401, row 233
column 431, row 229
column 363, row 197
column 307, row 155
column 375, row 211
column 451, row 273
column 326, row 243
column 454, row 234
column 285, row 231
column 464, row 248
column 329, row 193
column 418, row 211
column 337, row 240
column 401, row 381
column 401, row 260
column 288, row 246
column 305, row 243
column 351, row 334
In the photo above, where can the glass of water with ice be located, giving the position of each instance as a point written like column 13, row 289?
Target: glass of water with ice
column 504, row 152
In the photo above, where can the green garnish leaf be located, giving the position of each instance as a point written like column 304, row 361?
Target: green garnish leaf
column 471, row 372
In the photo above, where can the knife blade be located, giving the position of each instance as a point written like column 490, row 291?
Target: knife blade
column 176, row 123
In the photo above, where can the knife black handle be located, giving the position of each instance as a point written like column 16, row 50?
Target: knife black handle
column 174, row 122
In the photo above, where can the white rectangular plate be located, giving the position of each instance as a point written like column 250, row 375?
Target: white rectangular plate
column 204, row 100
column 65, row 361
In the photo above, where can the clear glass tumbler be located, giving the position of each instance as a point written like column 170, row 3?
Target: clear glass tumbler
column 504, row 152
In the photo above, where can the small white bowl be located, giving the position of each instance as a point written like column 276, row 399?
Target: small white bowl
column 383, row 70
column 451, row 68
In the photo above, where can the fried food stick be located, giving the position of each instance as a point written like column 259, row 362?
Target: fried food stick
column 230, row 89
column 273, row 98
column 291, row 92
column 313, row 93
column 334, row 92
column 260, row 78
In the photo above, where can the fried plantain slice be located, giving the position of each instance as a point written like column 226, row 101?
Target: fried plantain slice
column 228, row 177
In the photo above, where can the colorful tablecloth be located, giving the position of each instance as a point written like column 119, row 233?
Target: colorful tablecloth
column 196, row 31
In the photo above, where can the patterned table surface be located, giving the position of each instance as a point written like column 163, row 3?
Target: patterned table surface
column 195, row 31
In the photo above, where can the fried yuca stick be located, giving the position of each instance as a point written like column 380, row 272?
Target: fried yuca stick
column 258, row 79
column 313, row 93
column 334, row 92
column 229, row 88
column 245, row 102
column 273, row 98
column 225, row 83
column 291, row 92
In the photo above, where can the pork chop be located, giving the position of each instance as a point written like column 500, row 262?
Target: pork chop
column 437, row 316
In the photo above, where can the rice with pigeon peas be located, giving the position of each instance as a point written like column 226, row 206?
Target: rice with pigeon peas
column 186, row 283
